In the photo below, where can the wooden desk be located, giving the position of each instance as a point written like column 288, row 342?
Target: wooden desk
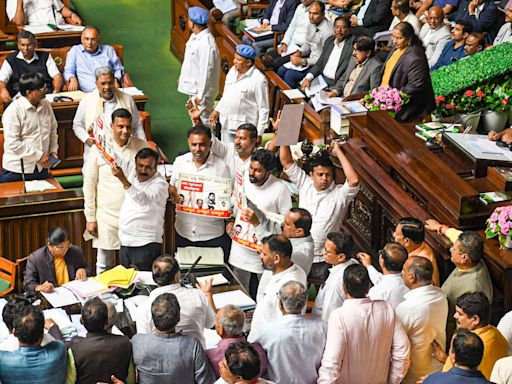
column 16, row 188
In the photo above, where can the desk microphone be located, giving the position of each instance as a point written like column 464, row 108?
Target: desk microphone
column 185, row 280
column 23, row 175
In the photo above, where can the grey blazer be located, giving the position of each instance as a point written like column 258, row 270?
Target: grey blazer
column 368, row 78
column 346, row 53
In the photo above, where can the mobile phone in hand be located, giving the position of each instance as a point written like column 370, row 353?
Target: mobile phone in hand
column 54, row 161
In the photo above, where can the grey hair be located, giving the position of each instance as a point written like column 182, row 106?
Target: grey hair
column 103, row 71
column 112, row 314
column 232, row 320
column 294, row 297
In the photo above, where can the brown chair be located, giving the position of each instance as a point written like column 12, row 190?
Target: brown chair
column 21, row 265
column 249, row 7
column 7, row 275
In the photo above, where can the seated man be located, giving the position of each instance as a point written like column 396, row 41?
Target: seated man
column 475, row 42
column 229, row 324
column 466, row 351
column 40, row 12
column 26, row 60
column 335, row 56
column 240, row 365
column 454, row 50
column 167, row 356
column 308, row 54
column 401, row 11
column 99, row 355
column 374, row 16
column 83, row 59
column 30, row 132
column 363, row 72
column 33, row 363
column 55, row 264
column 505, row 32
column 434, row 35
column 482, row 15
column 276, row 18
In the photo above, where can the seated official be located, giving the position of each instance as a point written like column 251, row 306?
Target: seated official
column 40, row 12
column 401, row 11
column 54, row 264
column 475, row 42
column 406, row 69
column 363, row 72
column 374, row 16
column 83, row 59
column 26, row 60
column 434, row 35
column 30, row 133
column 481, row 14
column 505, row 33
column 240, row 365
column 505, row 135
column 33, row 363
column 466, row 351
column 454, row 50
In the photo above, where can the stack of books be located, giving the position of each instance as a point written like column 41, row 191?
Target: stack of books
column 427, row 131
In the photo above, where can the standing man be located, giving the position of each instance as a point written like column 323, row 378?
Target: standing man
column 366, row 342
column 26, row 60
column 337, row 252
column 245, row 97
column 434, row 35
column 101, row 102
column 196, row 230
column 141, row 219
column 275, row 257
column 294, row 343
column 268, row 193
column 82, row 61
column 30, row 132
column 327, row 202
column 104, row 193
column 200, row 71
column 423, row 315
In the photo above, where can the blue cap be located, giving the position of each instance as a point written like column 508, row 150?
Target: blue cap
column 246, row 51
column 198, row 15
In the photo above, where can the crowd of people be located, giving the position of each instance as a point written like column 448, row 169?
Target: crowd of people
column 391, row 320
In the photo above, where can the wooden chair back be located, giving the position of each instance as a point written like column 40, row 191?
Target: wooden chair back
column 8, row 273
column 21, row 265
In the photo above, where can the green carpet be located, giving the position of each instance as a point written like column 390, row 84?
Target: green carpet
column 143, row 28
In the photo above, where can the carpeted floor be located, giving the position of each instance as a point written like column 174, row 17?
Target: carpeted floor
column 143, row 28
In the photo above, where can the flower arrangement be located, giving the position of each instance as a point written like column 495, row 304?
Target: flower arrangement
column 498, row 96
column 500, row 224
column 385, row 99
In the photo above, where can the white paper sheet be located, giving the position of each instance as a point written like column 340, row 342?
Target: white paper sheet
column 38, row 186
column 75, row 319
column 294, row 94
column 218, row 279
column 60, row 297
column 290, row 65
column 133, row 304
column 87, row 288
column 316, row 85
column 209, row 256
column 59, row 316
column 211, row 338
column 132, row 91
column 236, row 297
column 225, row 6
column 145, row 277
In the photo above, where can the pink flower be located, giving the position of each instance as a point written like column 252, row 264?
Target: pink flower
column 383, row 107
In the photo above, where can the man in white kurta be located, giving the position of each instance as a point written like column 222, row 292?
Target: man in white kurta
column 434, row 35
column 279, row 269
column 104, row 100
column 338, row 253
column 268, row 193
column 104, row 193
column 200, row 71
column 245, row 96
column 40, row 12
column 423, row 314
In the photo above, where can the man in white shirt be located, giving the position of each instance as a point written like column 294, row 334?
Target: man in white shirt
column 366, row 343
column 402, row 12
column 141, row 220
column 191, row 229
column 337, row 252
column 200, row 71
column 268, row 193
column 294, row 343
column 505, row 32
column 27, row 60
column 505, row 327
column 275, row 255
column 434, row 35
column 195, row 313
column 245, row 97
column 327, row 202
column 30, row 133
column 104, row 100
column 423, row 314
column 104, row 193
column 388, row 285
column 40, row 12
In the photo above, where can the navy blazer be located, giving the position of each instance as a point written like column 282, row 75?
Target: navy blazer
column 285, row 16
column 40, row 267
column 377, row 17
column 486, row 22
column 457, row 375
column 411, row 75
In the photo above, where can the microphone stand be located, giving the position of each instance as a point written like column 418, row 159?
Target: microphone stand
column 184, row 279
column 23, row 176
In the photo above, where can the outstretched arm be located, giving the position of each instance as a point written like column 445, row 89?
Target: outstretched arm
column 350, row 173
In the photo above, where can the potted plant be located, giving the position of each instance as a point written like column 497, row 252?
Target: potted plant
column 500, row 224
column 385, row 99
column 497, row 106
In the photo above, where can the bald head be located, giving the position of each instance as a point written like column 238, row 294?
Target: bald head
column 435, row 17
column 393, row 257
column 417, row 272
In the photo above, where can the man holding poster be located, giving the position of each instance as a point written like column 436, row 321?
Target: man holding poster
column 268, row 193
column 196, row 176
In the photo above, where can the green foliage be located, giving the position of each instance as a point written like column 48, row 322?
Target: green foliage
column 475, row 70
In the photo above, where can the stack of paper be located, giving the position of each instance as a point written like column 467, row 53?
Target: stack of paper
column 38, row 186
column 237, row 298
column 60, row 297
column 217, row 279
column 209, row 256
column 117, row 277
column 87, row 288
column 61, row 318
